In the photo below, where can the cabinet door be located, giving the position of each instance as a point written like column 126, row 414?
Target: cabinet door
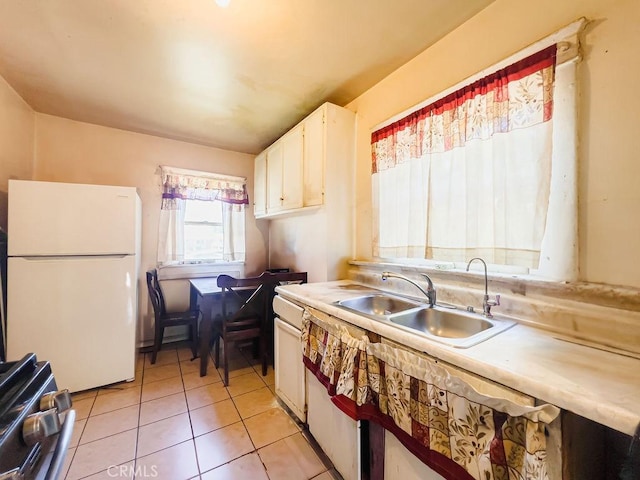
column 400, row 463
column 314, row 153
column 292, row 149
column 260, row 185
column 274, row 178
column 336, row 433
column 289, row 369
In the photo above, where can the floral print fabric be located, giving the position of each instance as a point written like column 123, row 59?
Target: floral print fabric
column 443, row 420
column 209, row 187
column 518, row 96
column 337, row 358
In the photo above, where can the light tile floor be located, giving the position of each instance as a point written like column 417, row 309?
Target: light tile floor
column 170, row 423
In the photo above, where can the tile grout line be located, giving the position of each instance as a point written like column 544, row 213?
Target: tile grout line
column 186, row 401
column 135, row 450
column 143, row 371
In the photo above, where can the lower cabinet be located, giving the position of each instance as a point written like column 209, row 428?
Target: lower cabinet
column 290, row 371
column 373, row 452
column 336, row 433
column 402, row 464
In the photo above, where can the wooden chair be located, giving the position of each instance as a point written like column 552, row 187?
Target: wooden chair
column 164, row 319
column 247, row 314
column 247, row 322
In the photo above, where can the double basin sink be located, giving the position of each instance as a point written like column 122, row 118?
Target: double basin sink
column 451, row 326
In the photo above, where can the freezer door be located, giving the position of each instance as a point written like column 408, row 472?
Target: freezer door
column 48, row 218
column 79, row 313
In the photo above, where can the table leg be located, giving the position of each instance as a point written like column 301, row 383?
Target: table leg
column 197, row 301
column 206, row 327
column 193, row 298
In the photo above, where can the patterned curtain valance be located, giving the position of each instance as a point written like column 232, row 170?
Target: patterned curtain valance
column 457, row 431
column 517, row 96
column 194, row 185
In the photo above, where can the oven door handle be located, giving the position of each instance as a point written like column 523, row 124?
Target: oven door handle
column 57, row 461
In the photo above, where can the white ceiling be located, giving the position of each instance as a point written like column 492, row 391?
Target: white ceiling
column 234, row 78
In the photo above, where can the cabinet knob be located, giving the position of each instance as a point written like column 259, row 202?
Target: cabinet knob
column 39, row 426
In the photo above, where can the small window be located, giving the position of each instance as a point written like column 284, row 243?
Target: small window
column 201, row 218
column 203, row 231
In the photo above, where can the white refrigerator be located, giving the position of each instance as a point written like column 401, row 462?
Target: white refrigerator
column 73, row 279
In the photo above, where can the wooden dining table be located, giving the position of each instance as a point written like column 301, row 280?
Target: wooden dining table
column 203, row 295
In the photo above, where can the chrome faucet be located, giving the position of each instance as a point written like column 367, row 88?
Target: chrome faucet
column 430, row 293
column 486, row 303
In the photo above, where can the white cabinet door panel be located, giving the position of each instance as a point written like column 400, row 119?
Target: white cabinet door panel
column 292, row 148
column 336, row 433
column 289, row 369
column 260, row 185
column 274, row 178
column 400, row 462
column 314, row 152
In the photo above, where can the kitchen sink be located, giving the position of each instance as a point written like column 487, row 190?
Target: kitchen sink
column 441, row 323
column 447, row 325
column 377, row 305
column 453, row 327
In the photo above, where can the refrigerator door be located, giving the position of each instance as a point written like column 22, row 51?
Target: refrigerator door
column 48, row 218
column 77, row 312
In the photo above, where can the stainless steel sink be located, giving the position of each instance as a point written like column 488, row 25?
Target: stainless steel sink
column 443, row 324
column 378, row 305
column 453, row 327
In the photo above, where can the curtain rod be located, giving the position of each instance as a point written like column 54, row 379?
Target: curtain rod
column 568, row 50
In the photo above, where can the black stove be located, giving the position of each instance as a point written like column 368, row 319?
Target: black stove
column 36, row 421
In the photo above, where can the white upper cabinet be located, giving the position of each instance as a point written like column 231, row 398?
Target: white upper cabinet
column 284, row 172
column 297, row 164
column 292, row 161
column 274, row 178
column 260, row 185
column 313, row 169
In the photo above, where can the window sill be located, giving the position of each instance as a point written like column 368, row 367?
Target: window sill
column 458, row 271
column 177, row 272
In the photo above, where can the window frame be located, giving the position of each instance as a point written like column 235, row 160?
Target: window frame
column 191, row 261
column 561, row 241
column 178, row 186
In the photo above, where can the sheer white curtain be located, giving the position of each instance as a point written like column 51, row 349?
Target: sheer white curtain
column 233, row 247
column 469, row 175
column 179, row 186
column 171, row 232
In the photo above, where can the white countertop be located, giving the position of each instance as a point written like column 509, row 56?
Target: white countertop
column 593, row 383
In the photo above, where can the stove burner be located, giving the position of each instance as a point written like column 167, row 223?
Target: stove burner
column 36, row 421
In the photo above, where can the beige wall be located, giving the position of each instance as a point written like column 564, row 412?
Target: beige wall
column 16, row 142
column 76, row 152
column 608, row 117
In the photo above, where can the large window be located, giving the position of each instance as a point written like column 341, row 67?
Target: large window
column 486, row 169
column 201, row 218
